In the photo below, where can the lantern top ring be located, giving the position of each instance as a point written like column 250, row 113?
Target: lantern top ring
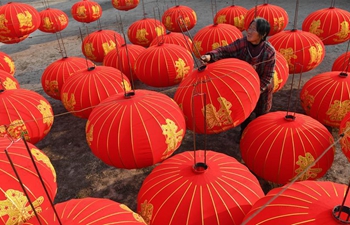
column 200, row 167
column 343, row 74
column 289, row 118
column 201, row 68
column 341, row 209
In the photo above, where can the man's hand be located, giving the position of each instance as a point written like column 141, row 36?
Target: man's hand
column 205, row 58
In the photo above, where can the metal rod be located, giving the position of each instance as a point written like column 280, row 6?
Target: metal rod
column 332, row 3
column 81, row 37
column 344, row 199
column 346, row 57
column 299, row 85
column 22, row 186
column 41, row 179
column 296, row 15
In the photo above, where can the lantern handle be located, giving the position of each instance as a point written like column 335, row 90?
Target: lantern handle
column 346, row 65
column 213, row 8
column 81, row 38
column 61, row 46
column 296, row 15
column 332, row 4
column 291, row 90
column 41, row 179
column 22, row 185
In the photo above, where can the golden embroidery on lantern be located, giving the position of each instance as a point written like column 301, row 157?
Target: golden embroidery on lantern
column 194, row 16
column 168, row 23
column 10, row 63
column 159, row 30
column 89, row 49
column 127, row 85
column 136, row 216
column 278, row 23
column 9, row 84
column 314, row 27
column 239, row 22
column 288, row 54
column 141, row 35
column 316, row 53
column 221, row 19
column 39, row 156
column 81, row 10
column 63, row 20
column 17, row 208
column 95, row 11
column 181, row 69
column 220, row 117
column 107, row 47
column 47, row 24
column 345, row 140
column 146, row 211
column 69, row 103
column 3, row 28
column 25, row 21
column 276, row 81
column 172, row 137
column 45, row 110
column 17, row 129
column 186, row 22
column 51, row 87
column 338, row 110
column 3, row 131
column 303, row 163
column 197, row 48
column 343, row 33
column 90, row 132
column 307, row 100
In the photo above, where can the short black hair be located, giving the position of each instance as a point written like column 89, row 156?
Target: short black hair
column 262, row 27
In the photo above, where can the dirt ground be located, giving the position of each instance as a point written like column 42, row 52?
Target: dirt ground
column 79, row 173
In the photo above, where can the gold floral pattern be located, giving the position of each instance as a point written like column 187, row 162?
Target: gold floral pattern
column 51, row 87
column 278, row 23
column 344, row 32
column 108, row 46
column 146, row 211
column 10, row 63
column 89, row 49
column 25, row 21
column 288, row 54
column 89, row 133
column 307, row 101
column 338, row 110
column 172, row 137
column 316, row 53
column 141, row 36
column 9, row 84
column 314, row 27
column 39, row 156
column 303, row 163
column 220, row 117
column 46, row 112
column 17, row 129
column 69, row 103
column 181, row 69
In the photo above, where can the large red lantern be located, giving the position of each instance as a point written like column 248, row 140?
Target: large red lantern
column 53, row 20
column 15, row 202
column 326, row 97
column 163, row 65
column 135, row 131
column 7, row 64
column 281, row 74
column 179, row 18
column 59, row 71
column 7, row 81
column 86, row 11
column 233, row 15
column 125, row 5
column 303, row 51
column 87, row 88
column 123, row 58
column 25, row 112
column 344, row 132
column 142, row 32
column 217, row 190
column 304, row 202
column 97, row 44
column 278, row 147
column 275, row 15
column 174, row 38
column 213, row 36
column 18, row 20
column 331, row 25
column 96, row 211
column 342, row 63
column 222, row 94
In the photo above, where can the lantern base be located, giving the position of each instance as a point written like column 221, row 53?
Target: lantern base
column 338, row 210
column 200, row 167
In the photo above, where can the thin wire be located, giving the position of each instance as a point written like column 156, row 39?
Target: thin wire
column 346, row 58
column 333, row 3
column 296, row 15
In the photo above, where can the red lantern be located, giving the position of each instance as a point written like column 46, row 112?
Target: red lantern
column 233, row 15
column 135, row 132
column 163, row 65
column 86, row 88
column 12, row 40
column 304, row 202
column 97, row 44
column 18, row 20
column 342, row 63
column 96, row 211
column 7, row 81
column 53, row 20
column 59, row 71
column 326, row 97
column 26, row 113
column 174, row 38
column 303, row 51
column 219, row 191
column 278, row 147
column 331, row 25
column 213, row 36
column 344, row 129
column 275, row 15
column 15, row 206
column 142, row 32
column 86, row 11
column 123, row 58
column 281, row 74
column 179, row 18
column 125, row 5
column 7, row 64
column 225, row 91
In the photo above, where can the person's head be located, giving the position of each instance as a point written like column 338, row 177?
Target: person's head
column 258, row 30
